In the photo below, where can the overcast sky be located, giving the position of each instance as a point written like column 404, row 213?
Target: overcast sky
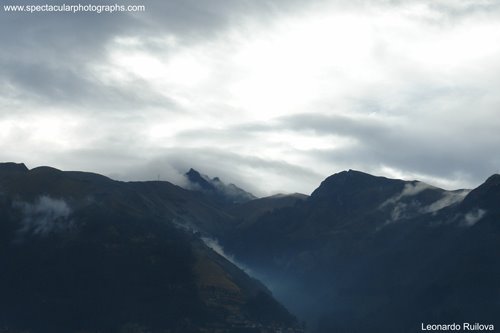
column 274, row 95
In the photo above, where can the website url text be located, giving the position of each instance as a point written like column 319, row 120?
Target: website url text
column 80, row 8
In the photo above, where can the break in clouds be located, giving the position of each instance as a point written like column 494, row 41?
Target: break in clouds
column 270, row 95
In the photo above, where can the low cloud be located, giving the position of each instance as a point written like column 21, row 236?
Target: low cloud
column 214, row 245
column 474, row 216
column 403, row 209
column 448, row 199
column 410, row 189
column 46, row 215
column 258, row 175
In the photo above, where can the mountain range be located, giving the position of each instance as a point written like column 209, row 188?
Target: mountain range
column 80, row 252
column 367, row 253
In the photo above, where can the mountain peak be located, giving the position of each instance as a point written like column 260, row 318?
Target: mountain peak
column 486, row 196
column 351, row 180
column 217, row 189
column 352, row 174
column 13, row 167
column 493, row 180
column 197, row 180
column 192, row 172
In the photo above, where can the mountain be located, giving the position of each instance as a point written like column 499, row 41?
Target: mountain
column 80, row 252
column 11, row 167
column 366, row 253
column 217, row 190
column 485, row 197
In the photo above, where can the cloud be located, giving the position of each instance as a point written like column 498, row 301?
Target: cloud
column 46, row 215
column 216, row 247
column 403, row 206
column 449, row 198
column 474, row 216
column 281, row 93
column 378, row 143
column 409, row 190
column 244, row 170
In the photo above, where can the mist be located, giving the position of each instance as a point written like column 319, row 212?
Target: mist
column 44, row 216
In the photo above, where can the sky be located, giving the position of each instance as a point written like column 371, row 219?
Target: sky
column 273, row 95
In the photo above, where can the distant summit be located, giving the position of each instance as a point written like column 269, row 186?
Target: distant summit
column 203, row 182
column 13, row 167
column 215, row 188
column 485, row 196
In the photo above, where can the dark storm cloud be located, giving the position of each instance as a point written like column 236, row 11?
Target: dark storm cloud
column 45, row 58
column 45, row 55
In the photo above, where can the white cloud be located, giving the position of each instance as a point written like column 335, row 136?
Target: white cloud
column 409, row 190
column 448, row 199
column 474, row 216
column 401, row 208
column 217, row 248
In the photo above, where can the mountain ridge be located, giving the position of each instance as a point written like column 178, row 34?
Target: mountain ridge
column 336, row 254
column 81, row 252
column 363, row 253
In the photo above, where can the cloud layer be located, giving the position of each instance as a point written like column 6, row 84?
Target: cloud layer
column 272, row 95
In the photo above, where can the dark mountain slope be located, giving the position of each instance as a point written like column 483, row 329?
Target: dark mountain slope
column 252, row 210
column 80, row 252
column 350, row 203
column 11, row 167
column 485, row 196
